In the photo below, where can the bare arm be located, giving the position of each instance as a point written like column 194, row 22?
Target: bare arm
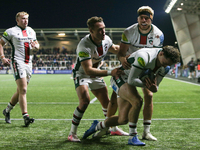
column 122, row 55
column 114, row 49
column 6, row 62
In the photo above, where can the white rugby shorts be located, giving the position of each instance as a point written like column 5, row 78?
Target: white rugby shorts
column 92, row 83
column 21, row 70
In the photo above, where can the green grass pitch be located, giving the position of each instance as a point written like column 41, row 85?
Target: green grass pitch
column 52, row 100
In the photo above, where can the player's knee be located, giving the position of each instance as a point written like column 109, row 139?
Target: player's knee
column 23, row 91
column 139, row 102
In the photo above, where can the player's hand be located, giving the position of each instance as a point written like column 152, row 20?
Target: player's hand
column 150, row 84
column 125, row 63
column 116, row 72
column 34, row 45
column 6, row 62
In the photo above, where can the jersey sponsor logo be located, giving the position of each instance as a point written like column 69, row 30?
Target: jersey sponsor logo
column 106, row 47
column 5, row 33
column 141, row 61
column 24, row 39
column 114, row 88
column 30, row 33
column 151, row 42
column 83, row 54
column 117, row 79
column 124, row 37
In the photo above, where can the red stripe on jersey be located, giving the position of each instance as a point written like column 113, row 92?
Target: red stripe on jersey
column 143, row 39
column 100, row 50
column 27, row 50
column 24, row 33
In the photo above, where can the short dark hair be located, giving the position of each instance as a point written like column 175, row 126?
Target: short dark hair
column 91, row 21
column 172, row 53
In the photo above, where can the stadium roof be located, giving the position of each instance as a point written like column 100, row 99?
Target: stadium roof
column 184, row 6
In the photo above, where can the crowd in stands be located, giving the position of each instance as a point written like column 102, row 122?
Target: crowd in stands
column 49, row 57
column 64, row 60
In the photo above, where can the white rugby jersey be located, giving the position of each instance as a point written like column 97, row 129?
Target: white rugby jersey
column 87, row 49
column 137, row 40
column 19, row 40
column 141, row 60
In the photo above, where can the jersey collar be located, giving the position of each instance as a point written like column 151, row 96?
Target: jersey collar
column 144, row 34
column 94, row 42
column 21, row 28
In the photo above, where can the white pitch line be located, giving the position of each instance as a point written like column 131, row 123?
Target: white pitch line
column 183, row 81
column 155, row 119
column 76, row 103
column 93, row 100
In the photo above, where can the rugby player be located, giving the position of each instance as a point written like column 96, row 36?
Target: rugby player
column 91, row 50
column 137, row 36
column 22, row 39
column 144, row 63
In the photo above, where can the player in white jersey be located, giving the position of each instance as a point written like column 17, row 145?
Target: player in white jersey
column 140, row 35
column 90, row 52
column 22, row 39
column 148, row 67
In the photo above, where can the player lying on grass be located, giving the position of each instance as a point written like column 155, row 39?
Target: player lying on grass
column 148, row 67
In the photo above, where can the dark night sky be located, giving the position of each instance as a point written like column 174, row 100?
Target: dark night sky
column 74, row 14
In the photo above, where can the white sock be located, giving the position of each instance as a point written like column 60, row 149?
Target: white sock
column 114, row 129
column 77, row 116
column 100, row 125
column 9, row 107
column 147, row 124
column 132, row 128
column 104, row 111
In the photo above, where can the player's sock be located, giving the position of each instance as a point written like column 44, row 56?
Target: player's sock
column 104, row 111
column 132, row 129
column 114, row 129
column 147, row 124
column 9, row 107
column 25, row 114
column 77, row 116
column 101, row 125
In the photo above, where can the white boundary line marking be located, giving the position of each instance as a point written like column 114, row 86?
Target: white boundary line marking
column 156, row 119
column 75, row 103
column 93, row 100
column 183, row 81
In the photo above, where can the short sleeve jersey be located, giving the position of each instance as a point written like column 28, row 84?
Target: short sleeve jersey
column 141, row 60
column 137, row 40
column 87, row 49
column 19, row 40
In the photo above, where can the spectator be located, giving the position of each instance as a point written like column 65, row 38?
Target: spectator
column 191, row 66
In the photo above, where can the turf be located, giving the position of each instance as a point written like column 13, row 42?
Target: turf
column 52, row 100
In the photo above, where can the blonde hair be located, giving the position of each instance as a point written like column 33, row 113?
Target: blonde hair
column 146, row 9
column 21, row 13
